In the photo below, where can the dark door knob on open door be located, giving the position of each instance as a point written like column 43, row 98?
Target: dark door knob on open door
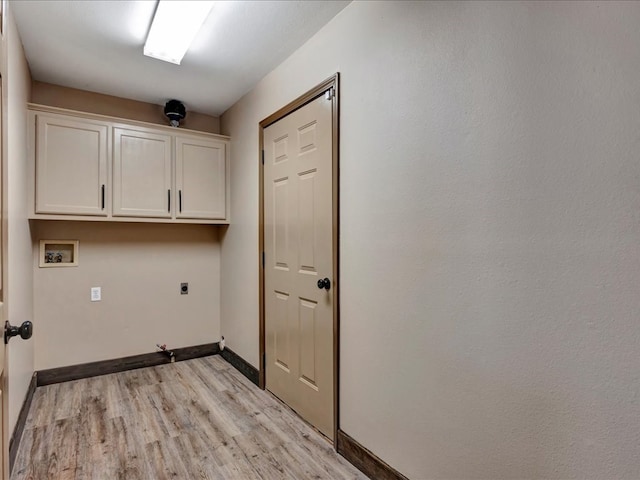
column 324, row 283
column 25, row 331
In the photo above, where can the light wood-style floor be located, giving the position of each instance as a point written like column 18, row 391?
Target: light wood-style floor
column 198, row 419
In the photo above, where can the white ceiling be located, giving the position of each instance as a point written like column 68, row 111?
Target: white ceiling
column 97, row 46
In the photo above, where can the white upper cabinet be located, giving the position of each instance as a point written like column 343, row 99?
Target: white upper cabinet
column 141, row 173
column 92, row 167
column 200, row 178
column 71, row 166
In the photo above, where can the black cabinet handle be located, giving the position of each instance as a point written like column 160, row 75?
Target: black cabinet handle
column 324, row 283
column 180, row 200
column 102, row 196
column 168, row 200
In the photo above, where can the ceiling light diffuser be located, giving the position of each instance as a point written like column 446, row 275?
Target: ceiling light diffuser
column 174, row 27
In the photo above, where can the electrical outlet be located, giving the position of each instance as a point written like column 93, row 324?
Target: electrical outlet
column 96, row 294
column 184, row 288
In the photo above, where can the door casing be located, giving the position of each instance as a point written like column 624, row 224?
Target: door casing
column 4, row 281
column 330, row 83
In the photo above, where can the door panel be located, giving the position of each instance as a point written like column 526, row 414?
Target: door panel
column 308, row 325
column 282, row 333
column 201, row 178
column 141, row 174
column 71, row 166
column 307, row 236
column 298, row 228
column 281, row 223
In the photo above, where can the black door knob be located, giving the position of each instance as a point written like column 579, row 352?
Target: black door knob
column 25, row 331
column 324, row 283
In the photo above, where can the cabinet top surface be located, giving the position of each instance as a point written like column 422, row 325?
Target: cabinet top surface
column 37, row 108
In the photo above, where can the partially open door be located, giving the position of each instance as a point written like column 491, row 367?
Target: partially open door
column 4, row 439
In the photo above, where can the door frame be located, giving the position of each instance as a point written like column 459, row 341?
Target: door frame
column 330, row 83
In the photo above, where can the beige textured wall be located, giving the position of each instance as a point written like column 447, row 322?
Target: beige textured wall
column 489, row 233
column 140, row 268
column 84, row 101
column 18, row 294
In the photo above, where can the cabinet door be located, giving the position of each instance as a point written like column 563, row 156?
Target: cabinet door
column 201, row 178
column 71, row 165
column 141, row 174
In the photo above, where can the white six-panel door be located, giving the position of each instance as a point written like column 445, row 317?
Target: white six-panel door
column 298, row 221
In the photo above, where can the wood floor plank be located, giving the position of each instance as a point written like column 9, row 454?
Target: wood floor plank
column 45, row 397
column 260, row 457
column 164, row 461
column 201, row 464
column 198, row 419
column 126, row 453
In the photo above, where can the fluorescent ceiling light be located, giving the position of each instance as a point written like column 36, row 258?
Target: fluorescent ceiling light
column 174, row 27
